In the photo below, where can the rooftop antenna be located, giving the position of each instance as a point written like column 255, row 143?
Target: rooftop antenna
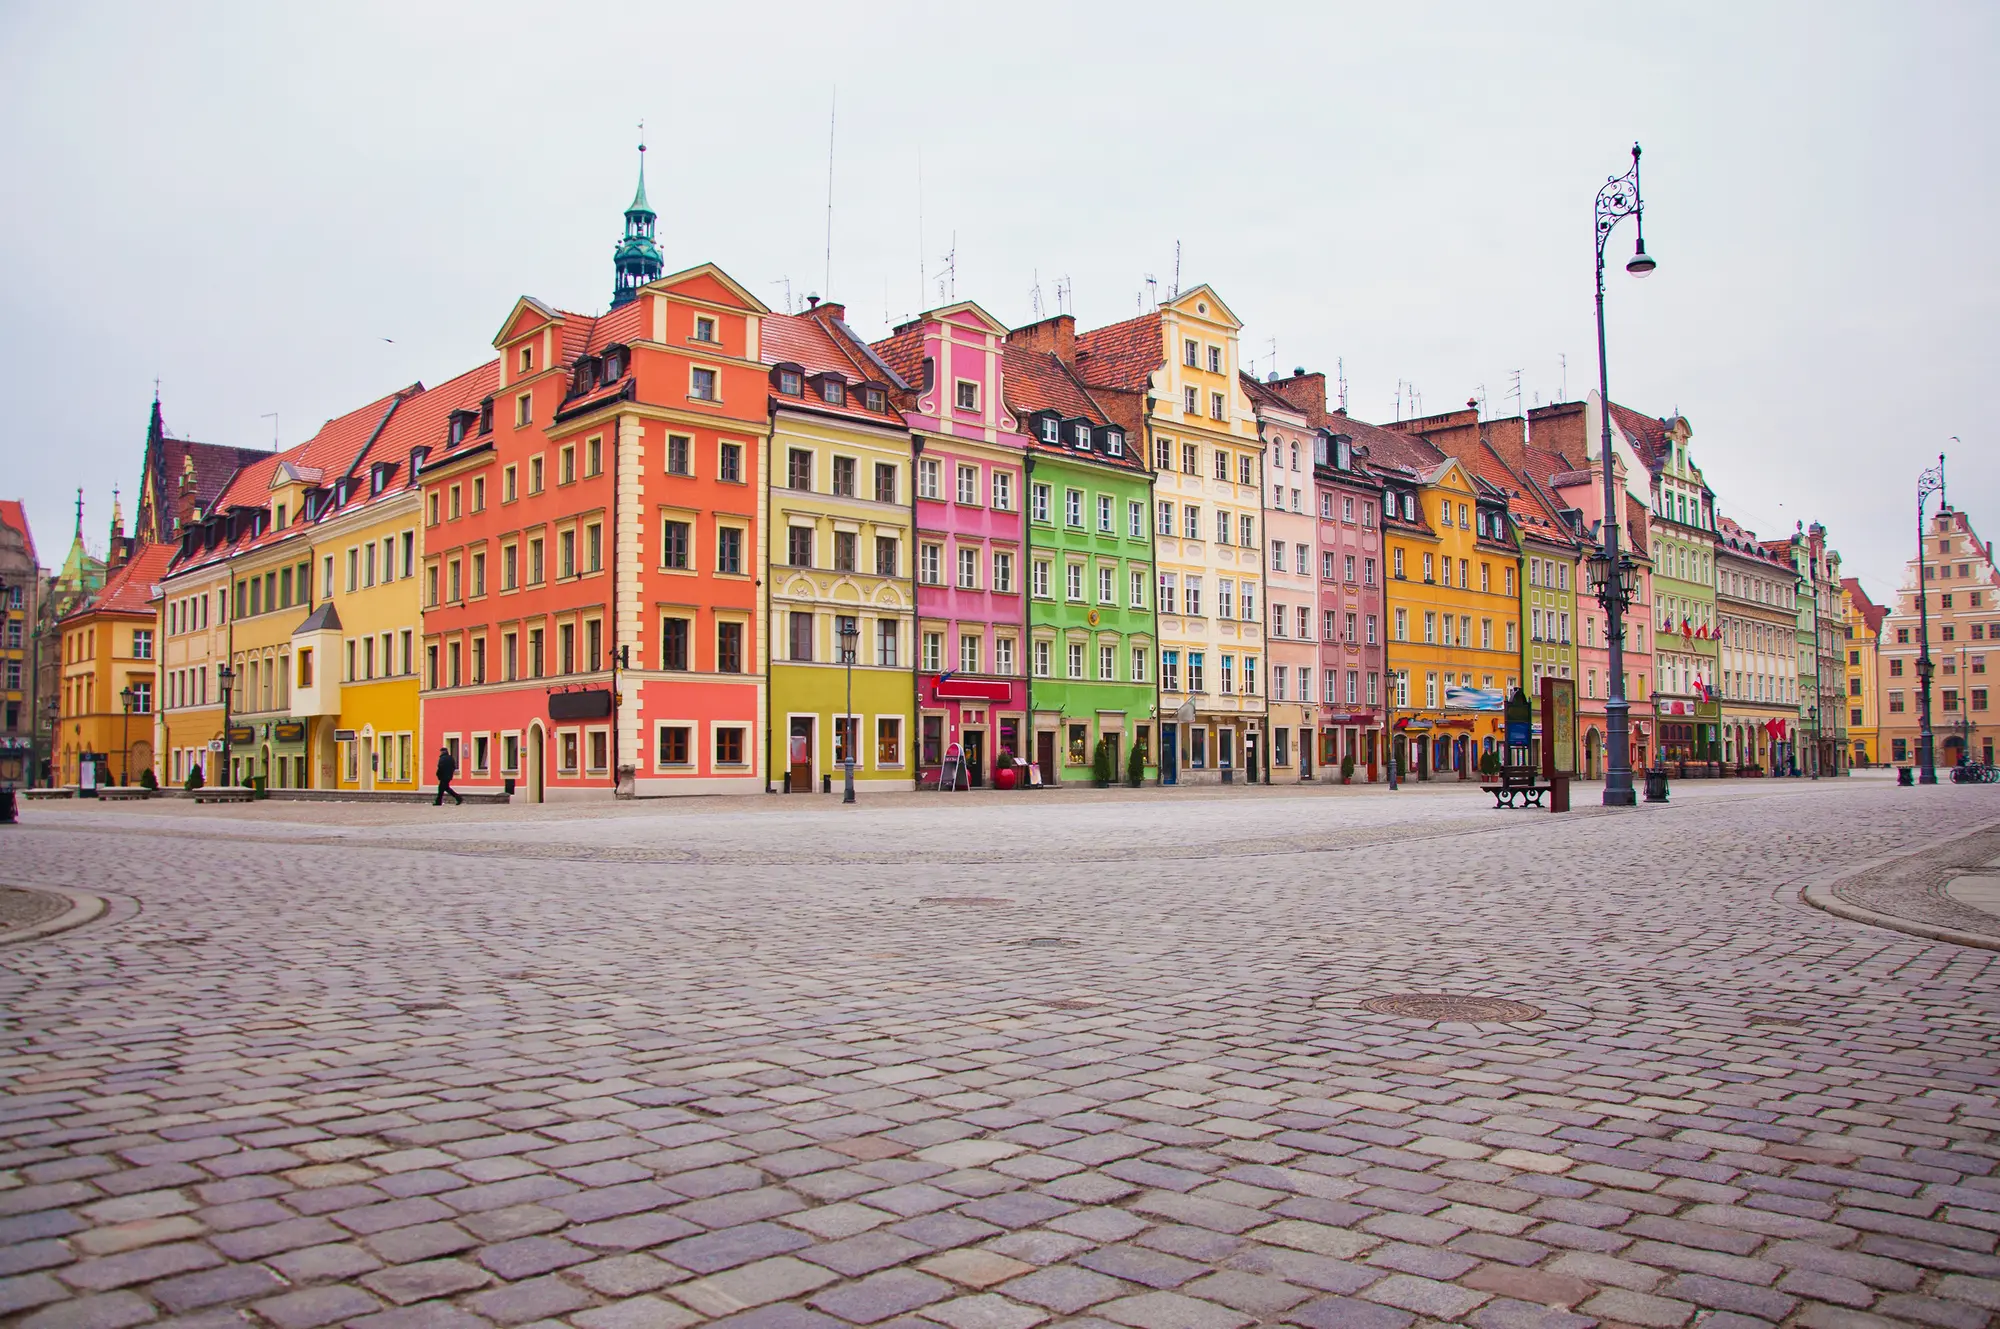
column 920, row 230
column 833, row 106
column 1399, row 399
column 786, row 282
column 272, row 416
column 1062, row 294
column 1149, row 298
column 1175, row 294
column 948, row 274
column 1340, row 371
column 1273, row 344
column 1035, row 295
column 1562, row 393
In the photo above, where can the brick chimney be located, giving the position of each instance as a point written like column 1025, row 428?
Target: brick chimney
column 825, row 309
column 1305, row 391
column 1057, row 334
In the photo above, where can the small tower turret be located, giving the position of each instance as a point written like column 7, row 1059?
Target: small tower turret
column 636, row 260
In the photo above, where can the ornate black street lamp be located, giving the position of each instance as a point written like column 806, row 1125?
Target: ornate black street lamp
column 1617, row 200
column 225, row 678
column 1930, row 482
column 850, row 636
column 125, row 757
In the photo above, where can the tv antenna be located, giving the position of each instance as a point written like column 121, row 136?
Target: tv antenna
column 922, row 281
column 1149, row 295
column 833, row 106
column 1340, row 370
column 786, row 282
column 1272, row 343
column 272, row 416
column 948, row 274
column 1562, row 392
column 1065, row 295
column 1175, row 293
column 1035, row 296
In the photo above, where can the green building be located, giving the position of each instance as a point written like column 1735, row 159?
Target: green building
column 1092, row 637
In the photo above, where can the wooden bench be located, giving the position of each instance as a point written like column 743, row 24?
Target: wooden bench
column 120, row 793
column 37, row 795
column 224, row 794
column 1519, row 787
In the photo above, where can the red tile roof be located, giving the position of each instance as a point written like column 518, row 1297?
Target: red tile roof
column 13, row 513
column 1635, row 526
column 1386, row 447
column 824, row 345
column 1649, row 435
column 1121, row 355
column 1039, row 381
column 903, row 351
column 129, row 588
column 1871, row 613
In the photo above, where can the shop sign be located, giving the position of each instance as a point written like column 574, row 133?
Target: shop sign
column 242, row 733
column 588, row 704
column 289, row 731
column 1474, row 699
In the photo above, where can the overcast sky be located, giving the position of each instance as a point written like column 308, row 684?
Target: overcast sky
column 246, row 200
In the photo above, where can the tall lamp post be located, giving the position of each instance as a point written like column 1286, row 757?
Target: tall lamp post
column 850, row 636
column 1930, row 482
column 125, row 735
column 1617, row 200
column 225, row 678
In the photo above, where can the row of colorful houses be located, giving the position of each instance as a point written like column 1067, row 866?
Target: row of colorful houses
column 697, row 545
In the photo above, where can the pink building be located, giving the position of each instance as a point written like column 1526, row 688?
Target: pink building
column 969, row 487
column 1347, row 553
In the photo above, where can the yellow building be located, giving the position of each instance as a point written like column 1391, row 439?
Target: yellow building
column 1863, row 638
column 1454, row 607
column 193, row 627
column 1170, row 377
column 108, row 676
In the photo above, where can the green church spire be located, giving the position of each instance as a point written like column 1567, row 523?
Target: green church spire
column 636, row 260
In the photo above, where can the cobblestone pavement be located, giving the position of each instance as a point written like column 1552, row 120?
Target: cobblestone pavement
column 992, row 1065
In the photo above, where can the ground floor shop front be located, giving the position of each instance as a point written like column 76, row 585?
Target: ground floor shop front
column 967, row 727
column 1350, row 736
column 816, row 721
column 1213, row 748
column 1069, row 719
column 1445, row 746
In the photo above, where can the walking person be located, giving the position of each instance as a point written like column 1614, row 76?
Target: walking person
column 446, row 768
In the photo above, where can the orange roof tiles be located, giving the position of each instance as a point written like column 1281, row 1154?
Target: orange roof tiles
column 129, row 588
column 903, row 351
column 1121, row 355
column 14, row 514
column 807, row 341
column 1039, row 381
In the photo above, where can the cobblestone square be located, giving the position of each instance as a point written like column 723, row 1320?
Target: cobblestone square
column 996, row 1063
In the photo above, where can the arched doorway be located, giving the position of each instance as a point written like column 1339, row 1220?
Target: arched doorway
column 1402, row 757
column 1592, row 755
column 140, row 759
column 534, row 771
column 1462, row 745
column 1952, row 751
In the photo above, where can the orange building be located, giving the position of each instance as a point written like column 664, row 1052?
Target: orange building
column 591, row 549
column 109, row 676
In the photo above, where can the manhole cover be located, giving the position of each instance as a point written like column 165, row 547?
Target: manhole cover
column 1045, row 941
column 1791, row 1020
column 965, row 899
column 1451, row 1006
column 1071, row 1005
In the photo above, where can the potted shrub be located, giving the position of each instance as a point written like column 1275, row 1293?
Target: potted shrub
column 1100, row 765
column 1135, row 767
column 148, row 781
column 194, row 779
column 1347, row 768
column 1489, row 767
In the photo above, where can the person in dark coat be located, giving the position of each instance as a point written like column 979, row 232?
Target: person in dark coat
column 446, row 768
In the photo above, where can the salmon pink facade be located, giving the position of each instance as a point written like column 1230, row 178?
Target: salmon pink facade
column 591, row 552
column 969, row 469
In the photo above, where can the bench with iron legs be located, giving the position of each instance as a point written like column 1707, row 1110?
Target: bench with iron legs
column 224, row 794
column 123, row 793
column 1519, row 787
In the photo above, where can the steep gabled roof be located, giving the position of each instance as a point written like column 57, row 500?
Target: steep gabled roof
column 1871, row 613
column 129, row 588
column 15, row 514
column 903, row 351
column 1121, row 355
column 823, row 344
column 1039, row 381
column 1648, row 435
column 1386, row 447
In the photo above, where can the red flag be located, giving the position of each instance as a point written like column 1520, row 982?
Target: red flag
column 1686, row 629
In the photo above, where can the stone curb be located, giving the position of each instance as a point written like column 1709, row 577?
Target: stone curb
column 1820, row 895
column 83, row 908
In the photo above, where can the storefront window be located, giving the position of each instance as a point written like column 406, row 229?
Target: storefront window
column 1079, row 745
column 932, row 751
column 1198, row 748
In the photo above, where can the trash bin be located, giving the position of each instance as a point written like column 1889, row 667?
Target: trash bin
column 1906, row 775
column 258, row 784
column 826, row 784
column 1656, row 785
column 1559, row 793
column 9, row 806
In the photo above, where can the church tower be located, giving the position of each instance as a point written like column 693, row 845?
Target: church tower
column 637, row 260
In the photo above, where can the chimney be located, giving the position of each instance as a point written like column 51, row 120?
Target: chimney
column 1056, row 335
column 1305, row 391
column 825, row 309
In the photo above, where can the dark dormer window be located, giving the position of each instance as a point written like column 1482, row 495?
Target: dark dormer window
column 833, row 392
column 458, row 423
column 1051, row 430
column 1409, row 507
column 585, row 377
column 1343, row 455
column 486, row 416
column 418, row 456
column 791, row 382
column 1114, row 443
column 375, row 478
column 1082, row 436
column 340, row 495
column 878, row 400
column 614, row 365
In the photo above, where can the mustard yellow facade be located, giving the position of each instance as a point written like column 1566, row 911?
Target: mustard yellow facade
column 193, row 628
column 106, row 694
column 1454, row 616
column 355, row 659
